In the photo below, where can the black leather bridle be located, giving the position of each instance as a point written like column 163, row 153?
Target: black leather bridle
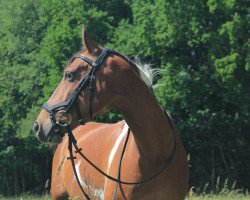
column 88, row 80
column 63, row 108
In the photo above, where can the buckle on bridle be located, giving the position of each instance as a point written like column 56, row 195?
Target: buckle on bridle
column 63, row 118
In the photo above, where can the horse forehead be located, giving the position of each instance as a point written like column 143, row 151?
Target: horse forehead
column 74, row 64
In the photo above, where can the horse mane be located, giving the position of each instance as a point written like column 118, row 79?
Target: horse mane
column 147, row 73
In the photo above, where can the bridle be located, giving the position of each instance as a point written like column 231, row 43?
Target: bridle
column 62, row 108
column 89, row 80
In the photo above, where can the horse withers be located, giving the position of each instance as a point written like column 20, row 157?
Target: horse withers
column 141, row 157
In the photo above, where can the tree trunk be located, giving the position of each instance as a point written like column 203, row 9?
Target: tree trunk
column 16, row 181
column 22, row 175
column 213, row 169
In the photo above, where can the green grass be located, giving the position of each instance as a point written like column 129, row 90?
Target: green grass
column 223, row 191
column 219, row 197
column 26, row 197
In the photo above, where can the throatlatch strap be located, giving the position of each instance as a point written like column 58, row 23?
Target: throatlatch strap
column 91, row 91
column 79, row 115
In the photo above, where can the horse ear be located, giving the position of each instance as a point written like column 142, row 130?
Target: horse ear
column 89, row 44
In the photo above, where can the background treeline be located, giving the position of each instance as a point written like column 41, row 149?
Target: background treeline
column 202, row 47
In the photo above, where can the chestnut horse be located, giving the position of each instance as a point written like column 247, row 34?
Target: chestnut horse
column 152, row 157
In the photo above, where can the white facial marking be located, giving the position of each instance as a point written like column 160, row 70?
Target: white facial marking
column 116, row 145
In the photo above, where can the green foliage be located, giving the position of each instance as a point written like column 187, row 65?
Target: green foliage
column 37, row 38
column 201, row 46
column 203, row 50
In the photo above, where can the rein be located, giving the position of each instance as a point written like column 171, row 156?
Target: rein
column 62, row 108
column 73, row 141
column 78, row 150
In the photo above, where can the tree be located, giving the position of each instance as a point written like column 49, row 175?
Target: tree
column 37, row 38
column 202, row 50
column 201, row 47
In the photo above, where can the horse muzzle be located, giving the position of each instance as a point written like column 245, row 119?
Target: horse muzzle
column 46, row 132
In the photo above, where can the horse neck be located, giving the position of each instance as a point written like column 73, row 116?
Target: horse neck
column 148, row 123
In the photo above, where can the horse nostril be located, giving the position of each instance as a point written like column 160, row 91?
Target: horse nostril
column 36, row 127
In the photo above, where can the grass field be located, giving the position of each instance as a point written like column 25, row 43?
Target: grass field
column 26, row 197
column 219, row 197
column 206, row 197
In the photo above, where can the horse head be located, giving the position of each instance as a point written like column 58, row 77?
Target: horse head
column 95, row 80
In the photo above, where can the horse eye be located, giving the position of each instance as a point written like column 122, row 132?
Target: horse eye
column 69, row 76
